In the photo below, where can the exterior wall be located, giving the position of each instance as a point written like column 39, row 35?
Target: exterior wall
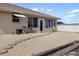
column 48, row 29
column 9, row 27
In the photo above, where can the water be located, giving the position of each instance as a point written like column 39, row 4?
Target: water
column 68, row 28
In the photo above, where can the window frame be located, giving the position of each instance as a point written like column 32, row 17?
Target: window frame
column 15, row 19
column 32, row 22
column 49, row 23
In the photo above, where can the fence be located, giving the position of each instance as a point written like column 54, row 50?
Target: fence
column 68, row 28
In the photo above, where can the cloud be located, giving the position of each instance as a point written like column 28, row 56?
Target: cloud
column 42, row 10
column 68, row 21
column 49, row 10
column 35, row 9
column 72, row 15
column 74, row 11
column 69, row 16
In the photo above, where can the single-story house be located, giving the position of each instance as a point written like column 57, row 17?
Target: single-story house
column 16, row 19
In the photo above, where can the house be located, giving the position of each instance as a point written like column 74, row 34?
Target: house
column 16, row 19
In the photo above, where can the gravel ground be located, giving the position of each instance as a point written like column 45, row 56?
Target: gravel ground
column 39, row 44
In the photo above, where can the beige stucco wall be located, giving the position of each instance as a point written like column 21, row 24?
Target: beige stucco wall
column 9, row 27
column 6, row 24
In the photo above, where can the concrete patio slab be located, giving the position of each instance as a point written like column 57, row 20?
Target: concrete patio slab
column 43, row 43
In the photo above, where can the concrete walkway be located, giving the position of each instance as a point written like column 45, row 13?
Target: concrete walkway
column 39, row 44
column 9, row 41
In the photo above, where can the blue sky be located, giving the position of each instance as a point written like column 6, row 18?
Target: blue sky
column 68, row 12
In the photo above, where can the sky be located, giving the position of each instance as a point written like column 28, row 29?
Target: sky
column 68, row 12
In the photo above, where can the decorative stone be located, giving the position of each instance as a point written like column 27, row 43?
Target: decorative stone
column 3, row 51
column 8, row 47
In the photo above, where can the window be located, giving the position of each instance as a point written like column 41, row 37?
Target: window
column 35, row 22
column 29, row 22
column 32, row 21
column 54, row 23
column 15, row 18
column 49, row 23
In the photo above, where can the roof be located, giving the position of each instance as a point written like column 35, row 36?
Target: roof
column 6, row 7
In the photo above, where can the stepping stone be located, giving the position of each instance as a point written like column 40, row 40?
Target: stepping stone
column 13, row 44
column 73, row 52
column 19, row 41
column 8, row 47
column 2, row 51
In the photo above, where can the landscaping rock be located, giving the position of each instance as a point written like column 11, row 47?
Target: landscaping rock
column 3, row 51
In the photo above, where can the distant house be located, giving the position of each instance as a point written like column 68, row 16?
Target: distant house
column 15, row 19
